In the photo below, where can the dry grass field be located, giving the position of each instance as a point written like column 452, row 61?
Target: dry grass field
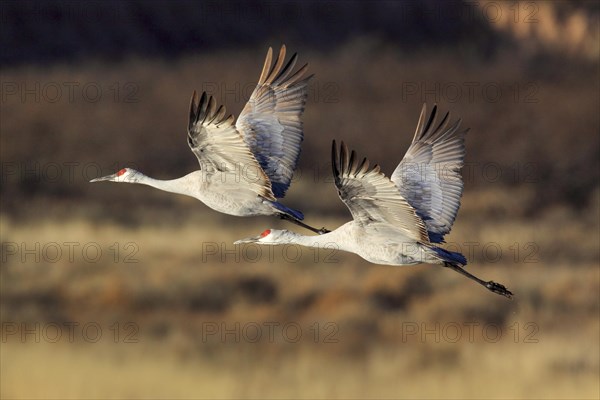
column 121, row 291
column 282, row 325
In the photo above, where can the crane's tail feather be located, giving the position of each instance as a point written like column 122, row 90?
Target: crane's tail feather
column 450, row 256
column 291, row 212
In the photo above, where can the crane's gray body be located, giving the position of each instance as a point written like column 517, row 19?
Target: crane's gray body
column 398, row 221
column 247, row 166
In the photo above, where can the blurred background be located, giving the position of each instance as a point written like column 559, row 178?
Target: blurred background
column 122, row 291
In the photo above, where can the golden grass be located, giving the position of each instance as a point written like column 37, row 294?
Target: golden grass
column 173, row 292
column 548, row 369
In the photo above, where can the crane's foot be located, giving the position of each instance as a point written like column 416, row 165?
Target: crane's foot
column 498, row 289
column 323, row 231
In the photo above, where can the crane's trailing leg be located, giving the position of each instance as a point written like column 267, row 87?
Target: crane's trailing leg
column 302, row 224
column 490, row 285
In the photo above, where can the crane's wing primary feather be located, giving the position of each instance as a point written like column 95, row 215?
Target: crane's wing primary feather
column 372, row 197
column 270, row 123
column 219, row 147
column 429, row 175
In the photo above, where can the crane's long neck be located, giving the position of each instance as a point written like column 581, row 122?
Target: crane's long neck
column 337, row 239
column 184, row 185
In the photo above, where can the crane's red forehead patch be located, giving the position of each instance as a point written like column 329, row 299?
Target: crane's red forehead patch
column 121, row 172
column 265, row 233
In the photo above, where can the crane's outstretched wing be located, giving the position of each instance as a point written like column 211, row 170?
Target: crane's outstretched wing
column 270, row 122
column 429, row 175
column 372, row 197
column 219, row 147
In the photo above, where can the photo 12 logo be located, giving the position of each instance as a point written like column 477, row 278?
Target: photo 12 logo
column 453, row 332
column 471, row 92
column 55, row 252
column 71, row 172
column 69, row 92
column 252, row 252
column 241, row 92
column 269, row 332
column 70, row 332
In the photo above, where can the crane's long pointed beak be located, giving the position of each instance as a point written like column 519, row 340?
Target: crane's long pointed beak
column 253, row 239
column 104, row 178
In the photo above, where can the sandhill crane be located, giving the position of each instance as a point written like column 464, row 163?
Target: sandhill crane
column 398, row 221
column 246, row 167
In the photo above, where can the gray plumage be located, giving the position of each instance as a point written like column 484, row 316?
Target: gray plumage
column 244, row 167
column 397, row 221
column 429, row 175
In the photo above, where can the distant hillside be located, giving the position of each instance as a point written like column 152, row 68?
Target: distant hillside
column 40, row 31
